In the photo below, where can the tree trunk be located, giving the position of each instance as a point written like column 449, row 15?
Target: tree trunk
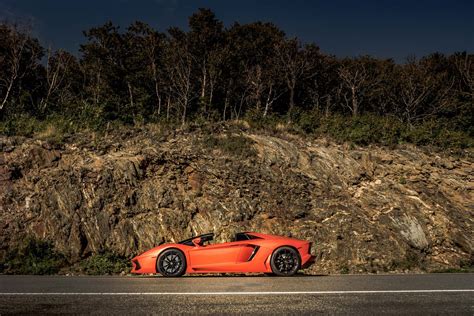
column 157, row 86
column 130, row 93
column 328, row 105
column 158, row 96
column 183, row 118
column 257, row 97
column 204, row 83
column 226, row 103
column 240, row 105
column 97, row 89
column 292, row 100
column 267, row 103
column 203, row 87
column 7, row 94
column 355, row 104
column 211, row 95
column 168, row 104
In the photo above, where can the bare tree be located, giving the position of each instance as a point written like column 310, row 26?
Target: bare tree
column 255, row 84
column 216, row 61
column 322, row 87
column 227, row 89
column 56, row 67
column 321, row 101
column 421, row 94
column 272, row 96
column 273, row 86
column 262, row 88
column 465, row 67
column 179, row 67
column 154, row 72
column 354, row 76
column 19, row 59
column 294, row 64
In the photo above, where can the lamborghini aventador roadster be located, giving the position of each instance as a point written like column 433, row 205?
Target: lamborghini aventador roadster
column 249, row 252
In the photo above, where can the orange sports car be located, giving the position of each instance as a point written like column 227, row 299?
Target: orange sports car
column 249, row 252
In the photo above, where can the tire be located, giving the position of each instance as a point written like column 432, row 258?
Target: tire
column 285, row 261
column 171, row 263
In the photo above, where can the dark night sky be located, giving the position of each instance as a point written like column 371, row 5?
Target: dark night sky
column 345, row 28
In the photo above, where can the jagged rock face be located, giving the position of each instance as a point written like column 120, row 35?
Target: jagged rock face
column 365, row 209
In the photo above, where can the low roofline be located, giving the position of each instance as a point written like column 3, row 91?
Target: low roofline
column 199, row 236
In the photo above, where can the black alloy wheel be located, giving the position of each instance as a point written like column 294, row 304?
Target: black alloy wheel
column 171, row 263
column 285, row 261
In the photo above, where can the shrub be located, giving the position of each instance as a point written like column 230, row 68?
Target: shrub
column 344, row 270
column 383, row 130
column 22, row 125
column 362, row 130
column 235, row 145
column 106, row 262
column 411, row 260
column 33, row 257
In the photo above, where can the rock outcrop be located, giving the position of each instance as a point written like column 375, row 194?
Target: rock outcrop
column 370, row 209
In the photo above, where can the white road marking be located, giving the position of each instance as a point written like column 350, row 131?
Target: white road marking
column 234, row 293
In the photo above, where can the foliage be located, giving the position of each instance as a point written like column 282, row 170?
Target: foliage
column 372, row 129
column 464, row 267
column 411, row 260
column 235, row 145
column 210, row 73
column 33, row 257
column 106, row 262
column 454, row 270
column 344, row 270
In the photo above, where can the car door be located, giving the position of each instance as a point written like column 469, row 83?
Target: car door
column 217, row 257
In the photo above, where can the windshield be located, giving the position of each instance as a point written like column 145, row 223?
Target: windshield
column 204, row 238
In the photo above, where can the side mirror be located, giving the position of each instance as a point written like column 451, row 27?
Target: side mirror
column 197, row 241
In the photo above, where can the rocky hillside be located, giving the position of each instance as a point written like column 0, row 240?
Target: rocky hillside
column 369, row 209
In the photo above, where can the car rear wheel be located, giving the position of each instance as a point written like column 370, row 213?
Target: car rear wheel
column 285, row 261
column 171, row 263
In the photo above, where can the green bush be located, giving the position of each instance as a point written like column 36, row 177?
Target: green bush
column 361, row 130
column 383, row 130
column 104, row 263
column 411, row 260
column 258, row 121
column 22, row 125
column 235, row 145
column 33, row 257
column 344, row 270
column 465, row 266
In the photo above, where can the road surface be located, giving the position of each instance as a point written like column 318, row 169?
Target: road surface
column 346, row 294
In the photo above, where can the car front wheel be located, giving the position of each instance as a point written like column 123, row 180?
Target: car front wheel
column 171, row 263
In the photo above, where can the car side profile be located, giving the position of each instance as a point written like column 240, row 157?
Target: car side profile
column 249, row 252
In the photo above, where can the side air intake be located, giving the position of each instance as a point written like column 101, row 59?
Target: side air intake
column 254, row 252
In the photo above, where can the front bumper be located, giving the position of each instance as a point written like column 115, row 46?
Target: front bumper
column 145, row 264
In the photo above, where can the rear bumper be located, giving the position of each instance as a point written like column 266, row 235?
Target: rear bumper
column 307, row 261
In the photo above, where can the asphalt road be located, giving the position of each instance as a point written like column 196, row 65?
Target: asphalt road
column 350, row 294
